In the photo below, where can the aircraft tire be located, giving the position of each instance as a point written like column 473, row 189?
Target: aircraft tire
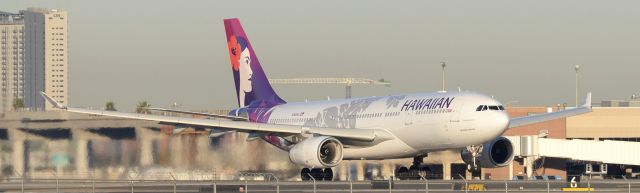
column 317, row 174
column 304, row 174
column 327, row 174
column 402, row 173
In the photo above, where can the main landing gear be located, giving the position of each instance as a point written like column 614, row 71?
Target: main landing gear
column 415, row 172
column 318, row 174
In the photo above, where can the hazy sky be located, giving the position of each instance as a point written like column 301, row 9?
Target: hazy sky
column 175, row 51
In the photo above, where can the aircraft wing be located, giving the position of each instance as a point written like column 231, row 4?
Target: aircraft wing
column 355, row 134
column 520, row 121
column 234, row 118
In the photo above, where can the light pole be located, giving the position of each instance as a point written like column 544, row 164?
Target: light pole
column 444, row 65
column 577, row 68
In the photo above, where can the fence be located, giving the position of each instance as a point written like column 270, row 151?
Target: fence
column 272, row 184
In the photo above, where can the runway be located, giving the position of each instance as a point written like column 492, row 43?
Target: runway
column 124, row 186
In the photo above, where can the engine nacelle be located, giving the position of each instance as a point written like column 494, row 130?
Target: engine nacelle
column 496, row 153
column 317, row 152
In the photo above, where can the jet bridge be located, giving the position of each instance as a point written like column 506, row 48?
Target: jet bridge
column 532, row 147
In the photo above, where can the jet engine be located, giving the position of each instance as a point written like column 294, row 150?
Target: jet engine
column 493, row 154
column 317, row 152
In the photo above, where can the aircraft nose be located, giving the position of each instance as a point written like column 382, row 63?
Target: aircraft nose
column 500, row 122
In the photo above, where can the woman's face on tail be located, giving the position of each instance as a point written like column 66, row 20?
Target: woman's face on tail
column 245, row 71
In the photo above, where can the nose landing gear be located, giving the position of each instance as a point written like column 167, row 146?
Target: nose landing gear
column 475, row 153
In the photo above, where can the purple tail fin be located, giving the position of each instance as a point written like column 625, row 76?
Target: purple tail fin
column 252, row 86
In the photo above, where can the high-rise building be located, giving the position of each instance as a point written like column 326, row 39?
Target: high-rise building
column 34, row 58
column 12, row 59
column 46, row 57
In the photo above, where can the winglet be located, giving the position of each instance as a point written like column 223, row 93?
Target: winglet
column 53, row 102
column 587, row 101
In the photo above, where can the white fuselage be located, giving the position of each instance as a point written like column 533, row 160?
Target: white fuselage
column 420, row 123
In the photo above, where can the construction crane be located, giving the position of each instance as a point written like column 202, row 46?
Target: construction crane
column 348, row 82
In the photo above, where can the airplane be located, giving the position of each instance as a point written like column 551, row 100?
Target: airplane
column 320, row 134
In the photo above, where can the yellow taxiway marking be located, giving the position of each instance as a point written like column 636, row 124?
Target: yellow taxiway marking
column 577, row 189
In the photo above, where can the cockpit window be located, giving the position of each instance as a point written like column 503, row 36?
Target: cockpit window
column 490, row 107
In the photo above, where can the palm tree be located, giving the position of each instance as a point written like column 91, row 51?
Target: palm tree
column 142, row 107
column 110, row 106
column 18, row 104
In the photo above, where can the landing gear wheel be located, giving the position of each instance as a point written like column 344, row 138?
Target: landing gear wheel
column 304, row 174
column 475, row 171
column 327, row 174
column 414, row 172
column 402, row 173
column 424, row 171
column 317, row 173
